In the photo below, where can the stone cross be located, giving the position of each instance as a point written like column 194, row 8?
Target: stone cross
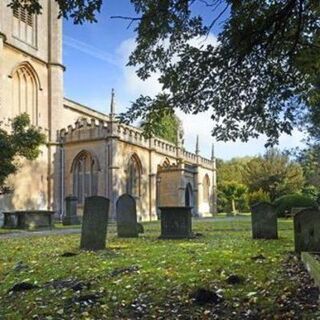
column 126, row 217
column 264, row 221
column 307, row 230
column 94, row 223
column 70, row 217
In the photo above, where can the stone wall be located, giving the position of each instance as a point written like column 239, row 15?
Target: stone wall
column 43, row 61
column 114, row 144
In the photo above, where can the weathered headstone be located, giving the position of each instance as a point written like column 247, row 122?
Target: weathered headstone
column 71, row 217
column 11, row 220
column 127, row 217
column 307, row 230
column 28, row 219
column 176, row 222
column 264, row 221
column 1, row 219
column 94, row 223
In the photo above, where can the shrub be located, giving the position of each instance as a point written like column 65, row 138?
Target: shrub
column 223, row 203
column 285, row 203
column 243, row 203
column 258, row 196
column 311, row 192
column 234, row 193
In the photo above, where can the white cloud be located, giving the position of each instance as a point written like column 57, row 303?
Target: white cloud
column 201, row 124
column 131, row 82
column 89, row 50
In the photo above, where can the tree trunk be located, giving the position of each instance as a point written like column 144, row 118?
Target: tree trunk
column 233, row 206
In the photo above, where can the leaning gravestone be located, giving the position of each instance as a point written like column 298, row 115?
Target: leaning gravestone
column 127, row 217
column 71, row 217
column 264, row 221
column 307, row 230
column 94, row 223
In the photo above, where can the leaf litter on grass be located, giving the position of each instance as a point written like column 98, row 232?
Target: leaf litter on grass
column 155, row 279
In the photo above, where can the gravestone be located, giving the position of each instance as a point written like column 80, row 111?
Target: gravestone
column 94, row 223
column 264, row 221
column 28, row 219
column 127, row 226
column 1, row 219
column 176, row 222
column 307, row 230
column 295, row 210
column 71, row 217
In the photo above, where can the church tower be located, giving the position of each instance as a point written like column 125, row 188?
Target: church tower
column 31, row 80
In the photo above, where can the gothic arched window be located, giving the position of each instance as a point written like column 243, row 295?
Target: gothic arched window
column 134, row 176
column 85, row 176
column 206, row 188
column 25, row 92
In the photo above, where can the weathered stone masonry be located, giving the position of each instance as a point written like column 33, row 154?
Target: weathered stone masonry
column 93, row 155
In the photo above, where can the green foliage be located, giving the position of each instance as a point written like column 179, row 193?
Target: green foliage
column 23, row 141
column 309, row 159
column 285, row 203
column 266, row 178
column 162, row 122
column 222, row 202
column 258, row 196
column 79, row 11
column 232, row 170
column 311, row 192
column 261, row 76
column 274, row 173
column 234, row 193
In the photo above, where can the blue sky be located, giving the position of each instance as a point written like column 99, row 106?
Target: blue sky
column 95, row 56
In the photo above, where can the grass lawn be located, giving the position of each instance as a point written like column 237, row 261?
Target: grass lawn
column 160, row 275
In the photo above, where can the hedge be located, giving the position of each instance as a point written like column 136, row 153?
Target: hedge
column 285, row 203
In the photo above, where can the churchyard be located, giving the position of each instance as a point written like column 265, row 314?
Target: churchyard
column 221, row 273
column 114, row 213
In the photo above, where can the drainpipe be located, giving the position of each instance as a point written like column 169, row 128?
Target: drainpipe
column 62, row 181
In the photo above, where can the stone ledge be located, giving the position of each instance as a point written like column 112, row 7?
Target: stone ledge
column 312, row 265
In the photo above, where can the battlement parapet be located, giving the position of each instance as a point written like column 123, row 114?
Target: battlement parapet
column 93, row 129
column 132, row 135
column 85, row 130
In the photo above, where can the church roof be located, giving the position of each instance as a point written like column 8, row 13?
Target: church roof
column 85, row 110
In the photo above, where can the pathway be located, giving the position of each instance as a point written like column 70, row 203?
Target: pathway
column 42, row 233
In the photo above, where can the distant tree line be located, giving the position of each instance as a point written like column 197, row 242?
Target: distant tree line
column 268, row 177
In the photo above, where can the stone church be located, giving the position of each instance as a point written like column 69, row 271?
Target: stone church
column 87, row 152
